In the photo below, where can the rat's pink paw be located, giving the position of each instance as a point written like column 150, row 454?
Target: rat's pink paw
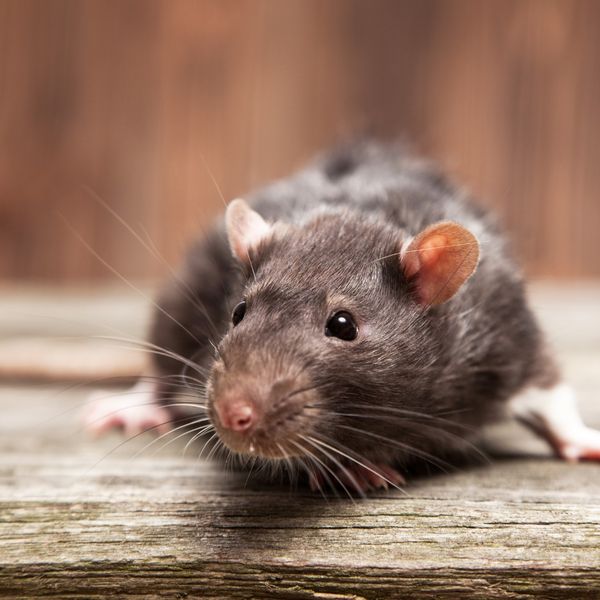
column 360, row 479
column 580, row 444
column 132, row 412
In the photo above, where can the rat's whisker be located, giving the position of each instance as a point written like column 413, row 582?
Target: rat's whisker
column 355, row 460
column 354, row 456
column 253, row 460
column 417, row 426
column 197, row 435
column 321, row 467
column 129, row 439
column 105, row 381
column 183, row 286
column 325, row 470
column 111, row 413
column 292, row 470
column 196, row 427
column 231, row 460
column 302, row 467
column 441, row 464
column 166, row 434
column 208, row 441
column 213, row 179
column 401, row 412
column 393, row 412
column 126, row 281
column 318, row 445
column 158, row 351
column 214, row 448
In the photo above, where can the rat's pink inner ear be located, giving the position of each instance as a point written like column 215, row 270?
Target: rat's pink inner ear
column 440, row 259
column 246, row 229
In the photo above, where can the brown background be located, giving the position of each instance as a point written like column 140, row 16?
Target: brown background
column 143, row 102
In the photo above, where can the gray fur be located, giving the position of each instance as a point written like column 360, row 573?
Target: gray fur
column 449, row 367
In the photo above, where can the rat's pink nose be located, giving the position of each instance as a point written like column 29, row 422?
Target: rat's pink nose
column 237, row 416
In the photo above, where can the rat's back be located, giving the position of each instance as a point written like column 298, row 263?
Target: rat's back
column 382, row 181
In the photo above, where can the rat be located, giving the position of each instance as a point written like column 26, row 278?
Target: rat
column 355, row 317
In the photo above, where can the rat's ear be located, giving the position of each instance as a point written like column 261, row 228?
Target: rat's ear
column 440, row 259
column 245, row 229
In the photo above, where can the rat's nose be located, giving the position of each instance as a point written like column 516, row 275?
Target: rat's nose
column 238, row 415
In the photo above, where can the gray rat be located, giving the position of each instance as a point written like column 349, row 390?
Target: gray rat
column 359, row 315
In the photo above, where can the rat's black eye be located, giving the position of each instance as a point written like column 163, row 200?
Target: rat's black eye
column 342, row 326
column 238, row 313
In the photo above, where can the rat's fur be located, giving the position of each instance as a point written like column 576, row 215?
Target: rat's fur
column 417, row 376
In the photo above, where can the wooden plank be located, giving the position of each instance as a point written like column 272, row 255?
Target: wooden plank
column 83, row 518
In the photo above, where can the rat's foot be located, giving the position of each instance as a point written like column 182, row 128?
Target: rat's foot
column 552, row 413
column 584, row 445
column 360, row 479
column 133, row 411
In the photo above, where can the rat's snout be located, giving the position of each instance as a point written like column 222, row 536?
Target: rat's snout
column 260, row 411
column 237, row 414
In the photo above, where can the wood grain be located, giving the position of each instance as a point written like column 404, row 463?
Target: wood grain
column 83, row 518
column 147, row 103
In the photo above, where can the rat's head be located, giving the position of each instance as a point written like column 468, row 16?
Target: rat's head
column 327, row 325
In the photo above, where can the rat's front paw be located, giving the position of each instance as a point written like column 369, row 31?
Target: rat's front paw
column 133, row 411
column 359, row 479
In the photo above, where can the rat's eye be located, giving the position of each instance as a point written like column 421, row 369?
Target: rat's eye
column 342, row 326
column 238, row 313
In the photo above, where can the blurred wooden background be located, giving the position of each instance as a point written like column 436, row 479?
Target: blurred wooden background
column 142, row 100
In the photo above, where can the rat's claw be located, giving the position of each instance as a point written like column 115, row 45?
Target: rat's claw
column 361, row 479
column 353, row 478
column 392, row 475
column 381, row 476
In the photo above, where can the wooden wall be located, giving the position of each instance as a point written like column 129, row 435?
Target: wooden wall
column 143, row 102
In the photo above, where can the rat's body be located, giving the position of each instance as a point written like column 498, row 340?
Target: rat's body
column 363, row 337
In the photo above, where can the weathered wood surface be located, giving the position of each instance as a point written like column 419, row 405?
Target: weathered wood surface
column 76, row 525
